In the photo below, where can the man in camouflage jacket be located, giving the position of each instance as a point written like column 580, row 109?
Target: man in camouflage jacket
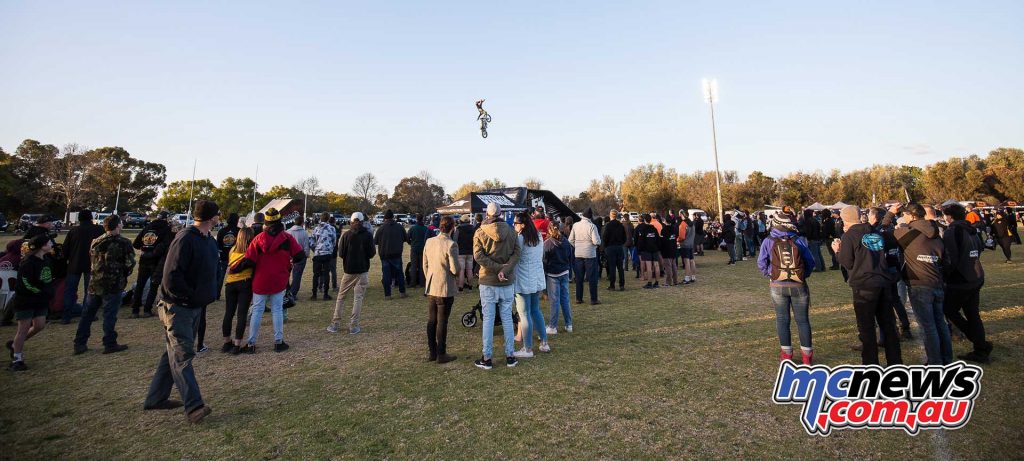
column 113, row 259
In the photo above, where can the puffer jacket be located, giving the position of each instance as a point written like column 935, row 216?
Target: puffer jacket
column 585, row 238
column 530, row 270
column 495, row 249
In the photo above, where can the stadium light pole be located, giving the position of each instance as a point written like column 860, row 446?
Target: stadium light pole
column 711, row 96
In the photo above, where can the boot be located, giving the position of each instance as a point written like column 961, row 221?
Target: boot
column 784, row 356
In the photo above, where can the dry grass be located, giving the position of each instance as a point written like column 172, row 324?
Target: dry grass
column 683, row 372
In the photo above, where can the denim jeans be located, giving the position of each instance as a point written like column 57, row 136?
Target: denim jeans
column 819, row 261
column 799, row 300
column 393, row 270
column 321, row 274
column 528, row 305
column 730, row 247
column 297, row 270
column 586, row 268
column 748, row 245
column 558, row 293
column 175, row 366
column 147, row 271
column 259, row 303
column 500, row 298
column 71, row 305
column 111, row 303
column 927, row 303
column 616, row 259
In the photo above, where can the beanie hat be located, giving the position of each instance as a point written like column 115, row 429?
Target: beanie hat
column 389, row 214
column 493, row 209
column 257, row 218
column 357, row 216
column 205, row 210
column 272, row 215
column 588, row 213
column 850, row 214
column 85, row 216
column 464, row 218
column 782, row 221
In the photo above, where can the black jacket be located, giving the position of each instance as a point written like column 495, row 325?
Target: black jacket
column 390, row 240
column 628, row 227
column 35, row 283
column 614, row 234
column 963, row 270
column 811, row 229
column 646, row 238
column 864, row 259
column 76, row 246
column 464, row 238
column 828, row 229
column 153, row 241
column 225, row 240
column 190, row 270
column 355, row 250
column 698, row 226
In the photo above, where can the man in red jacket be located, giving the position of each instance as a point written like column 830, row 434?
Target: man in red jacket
column 271, row 254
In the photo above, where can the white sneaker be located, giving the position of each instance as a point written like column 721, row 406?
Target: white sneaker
column 568, row 328
column 551, row 331
column 522, row 354
column 544, row 347
column 332, row 328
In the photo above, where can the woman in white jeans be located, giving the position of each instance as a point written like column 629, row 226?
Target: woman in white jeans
column 529, row 283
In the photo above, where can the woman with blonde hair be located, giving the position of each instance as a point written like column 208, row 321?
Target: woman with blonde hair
column 237, row 293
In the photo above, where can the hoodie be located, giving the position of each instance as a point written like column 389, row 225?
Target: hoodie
column 323, row 239
column 963, row 269
column 923, row 253
column 495, row 249
column 226, row 237
column 862, row 255
column 390, row 239
column 558, row 257
column 355, row 250
column 271, row 253
column 585, row 238
column 764, row 263
column 154, row 240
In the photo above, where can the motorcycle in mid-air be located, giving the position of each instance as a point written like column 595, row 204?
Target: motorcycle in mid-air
column 484, row 118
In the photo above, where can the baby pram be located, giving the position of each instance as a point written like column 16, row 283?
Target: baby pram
column 469, row 318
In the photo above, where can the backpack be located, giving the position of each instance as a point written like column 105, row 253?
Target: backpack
column 786, row 261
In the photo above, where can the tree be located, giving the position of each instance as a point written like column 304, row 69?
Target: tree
column 12, row 187
column 342, row 203
column 416, row 195
column 234, row 195
column 533, row 183
column 280, row 191
column 492, row 184
column 756, row 192
column 603, row 195
column 801, row 189
column 29, row 165
column 67, row 174
column 957, row 178
column 380, row 201
column 175, row 197
column 649, row 188
column 111, row 167
column 366, row 188
column 465, row 190
column 1005, row 173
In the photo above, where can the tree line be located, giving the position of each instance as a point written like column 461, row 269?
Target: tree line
column 44, row 178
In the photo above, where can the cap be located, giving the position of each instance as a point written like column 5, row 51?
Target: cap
column 357, row 216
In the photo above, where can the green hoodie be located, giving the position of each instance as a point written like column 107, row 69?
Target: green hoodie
column 495, row 250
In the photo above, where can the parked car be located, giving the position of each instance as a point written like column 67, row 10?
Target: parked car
column 183, row 218
column 27, row 220
column 378, row 219
column 341, row 219
column 133, row 219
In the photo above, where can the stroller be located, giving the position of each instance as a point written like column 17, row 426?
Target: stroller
column 469, row 318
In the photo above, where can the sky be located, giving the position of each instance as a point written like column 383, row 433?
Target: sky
column 576, row 90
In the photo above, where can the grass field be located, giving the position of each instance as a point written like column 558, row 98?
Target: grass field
column 680, row 372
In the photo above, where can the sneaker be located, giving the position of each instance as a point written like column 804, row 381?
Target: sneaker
column 203, row 349
column 481, row 363
column 226, row 347
column 568, row 328
column 248, row 349
column 655, row 285
column 544, row 347
column 115, row 348
column 235, row 350
column 595, row 303
column 281, row 346
column 196, row 416
column 648, row 285
column 551, row 331
column 354, row 330
column 332, row 328
column 784, row 356
column 523, row 354
column 18, row 366
column 806, row 357
column 511, row 362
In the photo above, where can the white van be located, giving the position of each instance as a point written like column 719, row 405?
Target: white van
column 694, row 212
column 633, row 216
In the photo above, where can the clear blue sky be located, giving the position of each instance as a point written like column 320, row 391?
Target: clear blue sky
column 576, row 89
